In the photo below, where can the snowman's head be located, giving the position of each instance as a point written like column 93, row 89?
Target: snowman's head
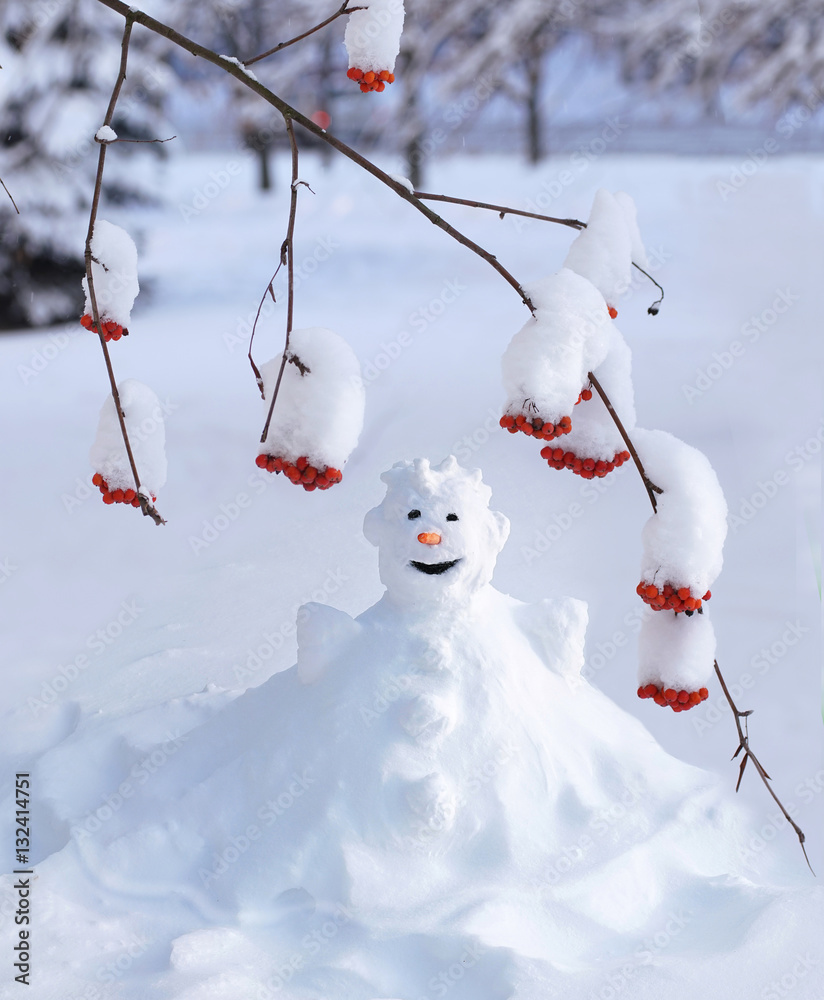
column 437, row 538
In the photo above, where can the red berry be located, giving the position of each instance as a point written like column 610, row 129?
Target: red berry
column 613, row 312
column 355, row 73
column 586, row 394
column 261, row 461
column 369, row 77
column 97, row 479
column 704, row 693
column 683, row 697
column 129, row 495
column 118, row 496
column 302, row 462
column 670, row 694
column 108, row 498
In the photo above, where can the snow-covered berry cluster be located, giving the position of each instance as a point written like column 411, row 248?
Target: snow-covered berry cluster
column 318, row 413
column 114, row 272
column 587, row 468
column 670, row 598
column 678, row 701
column 371, row 80
column 143, row 416
column 111, row 330
column 116, row 496
column 372, row 40
column 535, row 427
column 302, row 472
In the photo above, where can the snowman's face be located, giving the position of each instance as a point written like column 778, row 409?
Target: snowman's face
column 435, row 548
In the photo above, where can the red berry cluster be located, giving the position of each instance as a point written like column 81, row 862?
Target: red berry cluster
column 301, row 473
column 370, row 80
column 116, row 496
column 111, row 330
column 587, row 468
column 670, row 598
column 678, row 701
column 537, row 428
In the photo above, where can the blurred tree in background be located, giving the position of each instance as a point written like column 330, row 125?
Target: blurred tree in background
column 465, row 67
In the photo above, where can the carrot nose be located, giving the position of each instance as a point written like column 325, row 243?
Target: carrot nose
column 429, row 538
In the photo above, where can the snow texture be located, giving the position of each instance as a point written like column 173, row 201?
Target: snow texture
column 318, row 414
column 594, row 434
column 683, row 542
column 547, row 362
column 114, row 270
column 147, row 435
column 439, row 796
column 639, row 253
column 105, row 134
column 675, row 651
column 373, row 36
column 603, row 251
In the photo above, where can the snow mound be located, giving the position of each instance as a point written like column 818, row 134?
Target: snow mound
column 143, row 415
column 547, row 362
column 373, row 35
column 114, row 271
column 319, row 410
column 683, row 542
column 675, row 651
column 603, row 251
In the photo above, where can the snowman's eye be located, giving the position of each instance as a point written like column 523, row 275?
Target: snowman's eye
column 413, row 514
column 452, row 517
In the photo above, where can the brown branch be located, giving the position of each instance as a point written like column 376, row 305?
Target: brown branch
column 145, row 505
column 344, row 9
column 10, row 197
column 650, row 487
column 240, row 73
column 111, row 142
column 502, row 210
column 744, row 744
column 269, row 291
column 287, row 254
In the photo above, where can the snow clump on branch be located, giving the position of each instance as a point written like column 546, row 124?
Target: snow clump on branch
column 373, row 40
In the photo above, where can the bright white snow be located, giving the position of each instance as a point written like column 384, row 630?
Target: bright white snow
column 105, row 134
column 373, row 36
column 675, row 651
column 319, row 410
column 603, row 251
column 147, row 436
column 114, row 271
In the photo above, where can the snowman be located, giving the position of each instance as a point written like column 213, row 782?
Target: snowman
column 433, row 800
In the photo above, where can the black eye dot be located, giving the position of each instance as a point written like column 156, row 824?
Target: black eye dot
column 452, row 517
column 413, row 514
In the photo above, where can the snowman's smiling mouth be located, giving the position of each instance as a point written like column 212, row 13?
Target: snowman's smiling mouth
column 434, row 568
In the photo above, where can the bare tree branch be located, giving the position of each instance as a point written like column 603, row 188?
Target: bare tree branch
column 344, row 9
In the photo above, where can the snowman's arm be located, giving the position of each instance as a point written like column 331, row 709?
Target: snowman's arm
column 556, row 628
column 322, row 633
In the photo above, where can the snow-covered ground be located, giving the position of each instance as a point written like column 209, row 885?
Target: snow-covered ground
column 120, row 636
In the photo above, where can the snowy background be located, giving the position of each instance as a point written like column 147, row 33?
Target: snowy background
column 163, row 613
column 118, row 633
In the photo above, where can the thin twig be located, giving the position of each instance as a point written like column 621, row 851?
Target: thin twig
column 287, row 254
column 111, row 142
column 744, row 744
column 10, row 197
column 344, row 9
column 502, row 210
column 269, row 291
column 145, row 505
column 240, row 73
column 653, row 309
column 650, row 486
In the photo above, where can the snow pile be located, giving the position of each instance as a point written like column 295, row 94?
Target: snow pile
column 675, row 652
column 319, row 410
column 373, row 35
column 603, row 252
column 683, row 542
column 547, row 362
column 147, row 435
column 114, row 271
column 424, row 804
column 105, row 134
